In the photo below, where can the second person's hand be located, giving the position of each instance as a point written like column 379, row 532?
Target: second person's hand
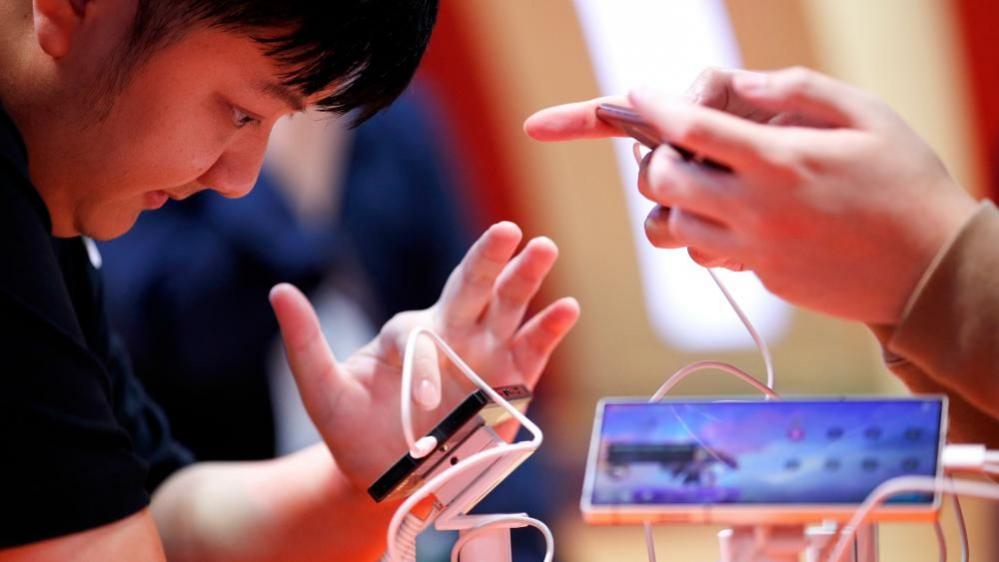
column 834, row 202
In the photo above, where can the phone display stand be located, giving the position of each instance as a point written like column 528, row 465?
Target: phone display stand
column 474, row 468
column 786, row 543
column 492, row 545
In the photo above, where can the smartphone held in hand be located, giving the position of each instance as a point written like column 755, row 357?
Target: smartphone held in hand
column 631, row 123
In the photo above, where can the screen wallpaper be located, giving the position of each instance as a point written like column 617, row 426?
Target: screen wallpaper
column 777, row 452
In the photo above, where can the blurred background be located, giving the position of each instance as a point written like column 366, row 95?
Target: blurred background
column 371, row 221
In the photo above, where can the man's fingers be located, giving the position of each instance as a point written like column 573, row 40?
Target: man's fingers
column 572, row 121
column 534, row 343
column 709, row 133
column 517, row 285
column 656, row 229
column 470, row 286
column 808, row 93
column 316, row 371
column 705, row 259
column 667, row 179
column 676, row 228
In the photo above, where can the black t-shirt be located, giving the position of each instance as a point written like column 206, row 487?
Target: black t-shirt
column 81, row 444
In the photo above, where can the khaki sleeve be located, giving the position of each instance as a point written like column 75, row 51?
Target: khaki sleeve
column 948, row 339
column 967, row 424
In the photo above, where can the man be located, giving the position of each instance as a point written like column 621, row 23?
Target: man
column 367, row 216
column 111, row 107
column 837, row 206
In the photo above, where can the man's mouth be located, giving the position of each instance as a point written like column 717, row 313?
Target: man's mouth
column 158, row 198
column 185, row 191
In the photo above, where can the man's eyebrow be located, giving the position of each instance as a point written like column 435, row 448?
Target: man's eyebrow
column 276, row 90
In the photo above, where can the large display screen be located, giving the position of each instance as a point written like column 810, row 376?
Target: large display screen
column 761, row 452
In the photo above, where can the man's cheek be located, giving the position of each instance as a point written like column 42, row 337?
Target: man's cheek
column 171, row 166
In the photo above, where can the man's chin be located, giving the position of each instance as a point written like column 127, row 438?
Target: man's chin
column 108, row 228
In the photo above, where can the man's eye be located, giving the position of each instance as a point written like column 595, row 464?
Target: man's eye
column 241, row 119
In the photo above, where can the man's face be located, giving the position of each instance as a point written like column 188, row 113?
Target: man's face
column 195, row 115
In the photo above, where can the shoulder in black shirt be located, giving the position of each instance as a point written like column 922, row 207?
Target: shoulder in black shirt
column 81, row 445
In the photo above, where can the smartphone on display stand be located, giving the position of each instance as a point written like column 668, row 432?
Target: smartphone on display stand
column 632, row 124
column 477, row 410
column 791, row 461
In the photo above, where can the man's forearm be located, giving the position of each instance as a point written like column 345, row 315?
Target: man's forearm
column 298, row 507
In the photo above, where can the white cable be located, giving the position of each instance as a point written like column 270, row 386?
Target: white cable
column 964, row 456
column 675, row 379
column 941, row 540
column 650, row 541
column 685, row 372
column 970, row 458
column 962, row 527
column 523, row 447
column 906, row 484
column 761, row 344
column 637, row 150
column 501, row 521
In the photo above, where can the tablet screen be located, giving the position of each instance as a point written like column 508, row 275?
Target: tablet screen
column 761, row 452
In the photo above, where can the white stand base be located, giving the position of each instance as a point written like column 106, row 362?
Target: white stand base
column 489, row 546
column 777, row 543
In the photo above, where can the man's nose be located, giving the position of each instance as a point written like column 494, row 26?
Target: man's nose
column 235, row 172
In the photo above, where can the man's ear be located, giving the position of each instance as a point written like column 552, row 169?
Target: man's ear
column 56, row 22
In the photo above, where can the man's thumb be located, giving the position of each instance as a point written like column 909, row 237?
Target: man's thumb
column 316, row 370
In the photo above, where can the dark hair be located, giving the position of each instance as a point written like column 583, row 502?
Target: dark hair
column 364, row 51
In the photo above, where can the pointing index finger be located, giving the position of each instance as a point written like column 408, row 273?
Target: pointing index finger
column 572, row 121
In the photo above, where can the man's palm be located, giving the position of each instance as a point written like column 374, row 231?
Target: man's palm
column 355, row 404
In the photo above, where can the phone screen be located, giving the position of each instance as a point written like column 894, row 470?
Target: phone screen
column 815, row 452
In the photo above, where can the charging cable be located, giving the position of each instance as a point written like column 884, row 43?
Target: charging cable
column 768, row 390
column 401, row 539
column 675, row 379
column 962, row 528
column 909, row 484
column 967, row 458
